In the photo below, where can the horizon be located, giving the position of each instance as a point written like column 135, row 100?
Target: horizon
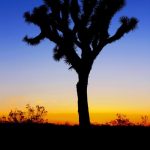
column 119, row 81
column 102, row 118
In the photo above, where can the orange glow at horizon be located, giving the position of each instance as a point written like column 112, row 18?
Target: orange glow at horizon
column 96, row 118
column 67, row 113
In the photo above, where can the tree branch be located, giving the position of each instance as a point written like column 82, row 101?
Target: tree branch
column 75, row 12
column 98, row 49
column 127, row 26
column 34, row 41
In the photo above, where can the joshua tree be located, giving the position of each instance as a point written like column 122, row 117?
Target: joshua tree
column 78, row 25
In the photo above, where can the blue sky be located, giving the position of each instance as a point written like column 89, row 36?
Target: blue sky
column 120, row 76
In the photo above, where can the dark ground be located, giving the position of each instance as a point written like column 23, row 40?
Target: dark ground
column 49, row 136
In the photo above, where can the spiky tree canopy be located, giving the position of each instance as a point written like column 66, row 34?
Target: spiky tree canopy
column 73, row 24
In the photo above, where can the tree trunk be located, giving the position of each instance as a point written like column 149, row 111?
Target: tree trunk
column 83, row 111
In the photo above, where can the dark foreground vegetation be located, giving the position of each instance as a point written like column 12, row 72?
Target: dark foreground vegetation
column 30, row 130
column 62, row 136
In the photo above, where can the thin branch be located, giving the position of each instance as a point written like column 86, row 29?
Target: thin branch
column 34, row 41
column 127, row 26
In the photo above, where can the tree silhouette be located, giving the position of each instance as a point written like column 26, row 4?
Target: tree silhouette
column 78, row 25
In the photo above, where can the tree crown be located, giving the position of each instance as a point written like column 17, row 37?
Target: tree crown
column 78, row 24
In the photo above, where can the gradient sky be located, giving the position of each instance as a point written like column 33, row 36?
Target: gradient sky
column 119, row 81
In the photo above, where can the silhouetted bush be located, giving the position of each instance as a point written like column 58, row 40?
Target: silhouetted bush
column 121, row 120
column 32, row 115
column 16, row 116
column 36, row 114
column 144, row 121
column 3, row 119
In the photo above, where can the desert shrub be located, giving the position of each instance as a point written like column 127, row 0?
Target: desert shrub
column 31, row 115
column 144, row 120
column 121, row 120
column 16, row 116
column 3, row 119
column 36, row 114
